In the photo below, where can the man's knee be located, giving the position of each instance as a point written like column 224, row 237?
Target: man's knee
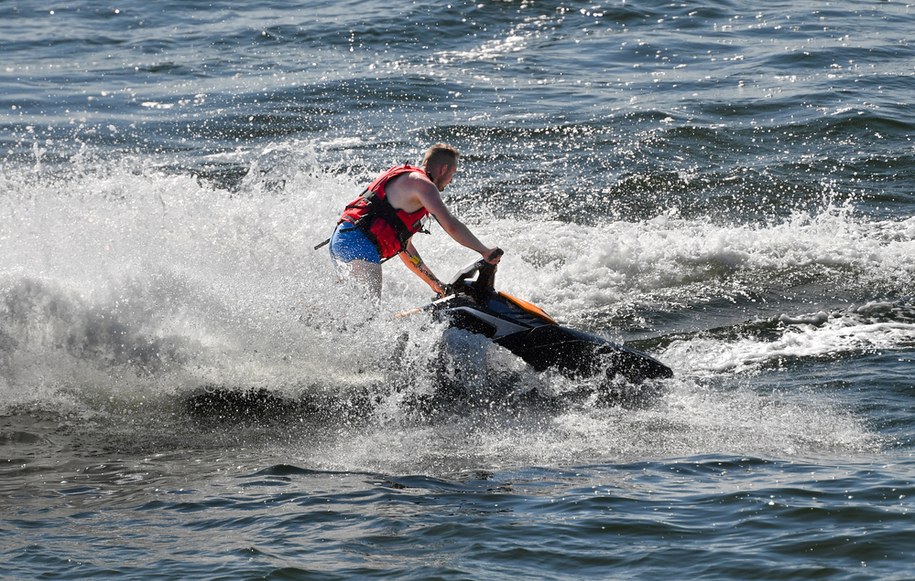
column 367, row 274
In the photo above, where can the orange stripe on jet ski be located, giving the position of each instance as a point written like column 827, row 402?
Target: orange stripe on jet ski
column 527, row 307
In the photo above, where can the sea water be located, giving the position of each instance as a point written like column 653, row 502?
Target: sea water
column 730, row 189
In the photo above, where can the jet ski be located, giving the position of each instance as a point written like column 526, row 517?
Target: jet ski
column 472, row 303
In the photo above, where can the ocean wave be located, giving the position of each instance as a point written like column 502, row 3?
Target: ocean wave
column 792, row 340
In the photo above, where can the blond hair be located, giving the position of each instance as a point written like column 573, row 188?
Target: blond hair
column 440, row 154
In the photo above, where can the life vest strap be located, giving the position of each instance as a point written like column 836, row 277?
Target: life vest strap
column 382, row 208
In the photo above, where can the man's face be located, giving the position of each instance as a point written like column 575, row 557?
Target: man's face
column 447, row 172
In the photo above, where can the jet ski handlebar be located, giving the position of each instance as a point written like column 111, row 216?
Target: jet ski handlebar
column 480, row 287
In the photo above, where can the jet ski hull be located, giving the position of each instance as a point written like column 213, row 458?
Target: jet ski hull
column 531, row 334
column 582, row 354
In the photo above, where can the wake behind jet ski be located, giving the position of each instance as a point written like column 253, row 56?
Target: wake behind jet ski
column 526, row 330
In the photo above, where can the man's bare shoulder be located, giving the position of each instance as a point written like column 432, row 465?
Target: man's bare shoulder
column 410, row 191
column 419, row 180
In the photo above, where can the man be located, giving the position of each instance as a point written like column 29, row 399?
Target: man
column 381, row 221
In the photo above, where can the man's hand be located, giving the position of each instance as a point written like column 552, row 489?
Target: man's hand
column 439, row 289
column 493, row 255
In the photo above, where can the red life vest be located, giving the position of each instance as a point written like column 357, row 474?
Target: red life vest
column 387, row 228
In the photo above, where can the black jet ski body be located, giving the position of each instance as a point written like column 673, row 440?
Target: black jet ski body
column 527, row 331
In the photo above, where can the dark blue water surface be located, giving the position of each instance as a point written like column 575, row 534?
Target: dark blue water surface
column 729, row 189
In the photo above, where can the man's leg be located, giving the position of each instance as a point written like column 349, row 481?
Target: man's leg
column 358, row 258
column 368, row 275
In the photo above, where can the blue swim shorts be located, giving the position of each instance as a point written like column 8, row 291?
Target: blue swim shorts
column 350, row 243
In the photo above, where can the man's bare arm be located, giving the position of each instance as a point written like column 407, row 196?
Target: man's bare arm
column 432, row 201
column 414, row 262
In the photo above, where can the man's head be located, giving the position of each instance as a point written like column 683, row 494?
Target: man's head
column 440, row 163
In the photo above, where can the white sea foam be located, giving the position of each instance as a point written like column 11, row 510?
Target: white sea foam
column 129, row 284
column 690, row 419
